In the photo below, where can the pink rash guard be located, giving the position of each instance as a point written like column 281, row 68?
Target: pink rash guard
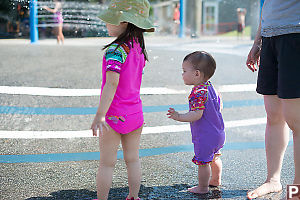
column 125, row 113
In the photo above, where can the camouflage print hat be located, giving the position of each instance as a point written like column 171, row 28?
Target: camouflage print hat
column 132, row 11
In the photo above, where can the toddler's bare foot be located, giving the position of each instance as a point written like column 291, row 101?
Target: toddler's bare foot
column 199, row 190
column 214, row 183
column 264, row 189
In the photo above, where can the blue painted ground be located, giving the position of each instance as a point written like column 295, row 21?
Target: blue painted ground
column 58, row 157
column 61, row 157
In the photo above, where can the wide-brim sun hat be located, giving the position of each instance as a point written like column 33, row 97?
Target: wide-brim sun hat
column 132, row 11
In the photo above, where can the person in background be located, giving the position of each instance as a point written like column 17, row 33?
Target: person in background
column 241, row 15
column 176, row 19
column 58, row 20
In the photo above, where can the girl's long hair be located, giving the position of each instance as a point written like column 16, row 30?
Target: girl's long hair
column 132, row 32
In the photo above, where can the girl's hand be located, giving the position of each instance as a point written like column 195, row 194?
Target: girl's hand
column 173, row 114
column 253, row 57
column 98, row 123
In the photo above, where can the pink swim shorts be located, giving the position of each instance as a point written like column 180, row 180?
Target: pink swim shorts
column 125, row 124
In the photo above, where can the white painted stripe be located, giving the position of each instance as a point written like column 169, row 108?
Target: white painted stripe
column 146, row 130
column 42, row 91
column 48, row 91
column 237, row 88
column 162, row 90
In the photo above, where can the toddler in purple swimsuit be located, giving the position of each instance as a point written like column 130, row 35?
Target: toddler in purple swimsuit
column 207, row 126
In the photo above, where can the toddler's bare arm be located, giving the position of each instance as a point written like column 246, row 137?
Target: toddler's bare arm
column 186, row 117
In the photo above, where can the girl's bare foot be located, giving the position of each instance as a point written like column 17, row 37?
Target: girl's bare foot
column 214, row 183
column 199, row 190
column 264, row 189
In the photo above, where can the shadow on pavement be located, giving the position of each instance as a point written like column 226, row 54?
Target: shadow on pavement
column 178, row 191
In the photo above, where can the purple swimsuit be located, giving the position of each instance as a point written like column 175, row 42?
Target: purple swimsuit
column 208, row 134
column 58, row 17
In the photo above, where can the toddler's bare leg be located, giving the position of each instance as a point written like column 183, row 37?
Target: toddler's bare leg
column 204, row 173
column 216, row 172
column 109, row 142
column 276, row 139
column 130, row 144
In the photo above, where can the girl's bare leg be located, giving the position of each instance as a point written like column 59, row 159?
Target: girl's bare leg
column 60, row 33
column 203, row 179
column 276, row 140
column 109, row 142
column 56, row 33
column 291, row 110
column 130, row 144
column 216, row 172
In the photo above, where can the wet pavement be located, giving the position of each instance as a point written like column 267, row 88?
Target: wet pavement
column 65, row 168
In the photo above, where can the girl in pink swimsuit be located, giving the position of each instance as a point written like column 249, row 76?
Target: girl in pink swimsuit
column 119, row 116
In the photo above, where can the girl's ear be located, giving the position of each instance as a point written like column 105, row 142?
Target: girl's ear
column 198, row 73
column 124, row 24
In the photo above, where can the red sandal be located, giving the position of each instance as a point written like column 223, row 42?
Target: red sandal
column 132, row 198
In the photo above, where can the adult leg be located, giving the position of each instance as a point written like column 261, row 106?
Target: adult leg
column 204, row 173
column 109, row 142
column 216, row 172
column 131, row 144
column 291, row 110
column 276, row 140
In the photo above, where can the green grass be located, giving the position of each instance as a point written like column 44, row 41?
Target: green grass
column 234, row 33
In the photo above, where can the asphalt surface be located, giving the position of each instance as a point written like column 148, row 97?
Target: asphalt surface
column 77, row 65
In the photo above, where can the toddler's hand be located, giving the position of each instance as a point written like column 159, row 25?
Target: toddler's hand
column 98, row 123
column 173, row 114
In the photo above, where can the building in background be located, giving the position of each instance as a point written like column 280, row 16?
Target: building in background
column 205, row 17
column 202, row 17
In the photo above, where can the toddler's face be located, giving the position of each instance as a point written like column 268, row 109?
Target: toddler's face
column 191, row 76
column 188, row 73
column 114, row 30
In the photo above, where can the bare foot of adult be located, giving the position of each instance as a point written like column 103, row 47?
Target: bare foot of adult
column 214, row 183
column 264, row 189
column 199, row 190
